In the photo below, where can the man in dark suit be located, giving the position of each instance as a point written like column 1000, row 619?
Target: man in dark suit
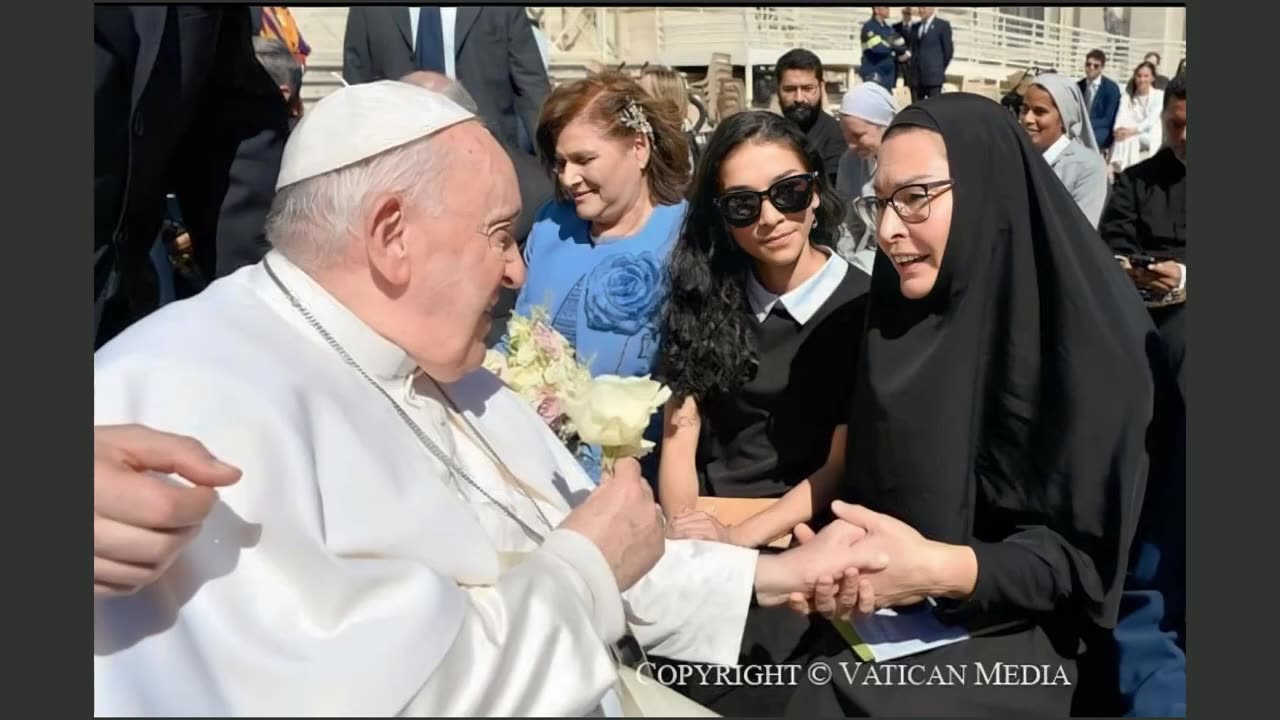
column 180, row 106
column 1101, row 97
column 535, row 189
column 1147, row 215
column 492, row 52
column 905, row 28
column 931, row 53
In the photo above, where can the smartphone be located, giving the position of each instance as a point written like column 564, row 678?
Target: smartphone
column 1142, row 261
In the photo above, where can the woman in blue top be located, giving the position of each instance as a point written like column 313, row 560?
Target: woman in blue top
column 597, row 254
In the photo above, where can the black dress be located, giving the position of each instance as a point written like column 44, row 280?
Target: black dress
column 1006, row 411
column 769, row 437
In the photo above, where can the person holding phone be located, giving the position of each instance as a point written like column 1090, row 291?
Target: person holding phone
column 1145, row 224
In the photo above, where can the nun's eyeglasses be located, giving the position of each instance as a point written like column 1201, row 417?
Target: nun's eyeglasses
column 791, row 194
column 911, row 202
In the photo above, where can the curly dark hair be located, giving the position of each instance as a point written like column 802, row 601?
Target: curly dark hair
column 707, row 346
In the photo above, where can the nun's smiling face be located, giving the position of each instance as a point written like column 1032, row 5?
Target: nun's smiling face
column 913, row 229
column 1040, row 118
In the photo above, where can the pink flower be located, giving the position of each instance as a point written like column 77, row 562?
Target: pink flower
column 549, row 408
column 548, row 341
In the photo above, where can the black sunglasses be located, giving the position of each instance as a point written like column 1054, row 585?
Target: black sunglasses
column 741, row 208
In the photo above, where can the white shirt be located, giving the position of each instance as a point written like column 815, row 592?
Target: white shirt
column 924, row 29
column 448, row 25
column 806, row 299
column 1051, row 154
column 1093, row 86
column 349, row 573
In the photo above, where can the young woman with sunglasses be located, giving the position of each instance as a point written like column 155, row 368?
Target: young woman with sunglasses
column 757, row 341
column 756, row 335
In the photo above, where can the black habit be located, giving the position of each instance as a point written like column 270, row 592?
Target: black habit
column 1006, row 411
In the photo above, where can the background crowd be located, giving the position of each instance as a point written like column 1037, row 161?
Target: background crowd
column 657, row 253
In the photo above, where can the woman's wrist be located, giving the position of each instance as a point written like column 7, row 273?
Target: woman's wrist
column 954, row 571
column 747, row 533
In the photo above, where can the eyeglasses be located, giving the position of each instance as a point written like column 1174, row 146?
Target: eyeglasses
column 500, row 238
column 911, row 202
column 1092, row 65
column 792, row 194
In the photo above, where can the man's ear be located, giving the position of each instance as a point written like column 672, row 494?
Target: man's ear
column 386, row 240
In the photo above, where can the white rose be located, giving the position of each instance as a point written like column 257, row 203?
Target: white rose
column 614, row 412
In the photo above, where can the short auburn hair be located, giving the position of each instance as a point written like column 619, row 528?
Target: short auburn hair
column 601, row 98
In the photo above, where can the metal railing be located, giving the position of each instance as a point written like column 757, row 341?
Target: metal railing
column 987, row 42
column 985, row 37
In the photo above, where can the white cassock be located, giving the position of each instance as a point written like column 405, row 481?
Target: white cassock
column 348, row 573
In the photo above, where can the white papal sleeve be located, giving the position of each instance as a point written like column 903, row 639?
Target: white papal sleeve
column 305, row 597
column 534, row 645
column 692, row 605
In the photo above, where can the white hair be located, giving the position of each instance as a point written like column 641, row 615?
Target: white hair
column 312, row 222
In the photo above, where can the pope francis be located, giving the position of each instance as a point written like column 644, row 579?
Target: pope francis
column 407, row 537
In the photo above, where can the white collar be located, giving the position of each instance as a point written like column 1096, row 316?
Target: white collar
column 1055, row 150
column 804, row 301
column 377, row 355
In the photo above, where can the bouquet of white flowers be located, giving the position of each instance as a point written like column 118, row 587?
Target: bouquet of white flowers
column 541, row 367
column 607, row 411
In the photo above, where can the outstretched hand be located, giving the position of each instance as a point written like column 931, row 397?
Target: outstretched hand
column 142, row 522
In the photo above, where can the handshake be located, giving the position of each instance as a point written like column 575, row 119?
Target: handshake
column 860, row 562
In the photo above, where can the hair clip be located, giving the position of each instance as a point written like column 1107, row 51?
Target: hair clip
column 633, row 117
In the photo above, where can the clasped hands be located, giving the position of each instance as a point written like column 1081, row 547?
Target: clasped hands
column 861, row 562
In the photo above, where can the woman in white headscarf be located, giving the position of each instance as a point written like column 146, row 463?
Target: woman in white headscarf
column 1053, row 114
column 865, row 112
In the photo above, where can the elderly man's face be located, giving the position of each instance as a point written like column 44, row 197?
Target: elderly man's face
column 461, row 254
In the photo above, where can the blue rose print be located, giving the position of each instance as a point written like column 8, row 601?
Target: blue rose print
column 623, row 293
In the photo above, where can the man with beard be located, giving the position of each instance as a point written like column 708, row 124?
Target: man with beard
column 799, row 74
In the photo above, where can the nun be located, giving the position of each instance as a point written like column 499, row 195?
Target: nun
column 1054, row 116
column 865, row 112
column 998, row 429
